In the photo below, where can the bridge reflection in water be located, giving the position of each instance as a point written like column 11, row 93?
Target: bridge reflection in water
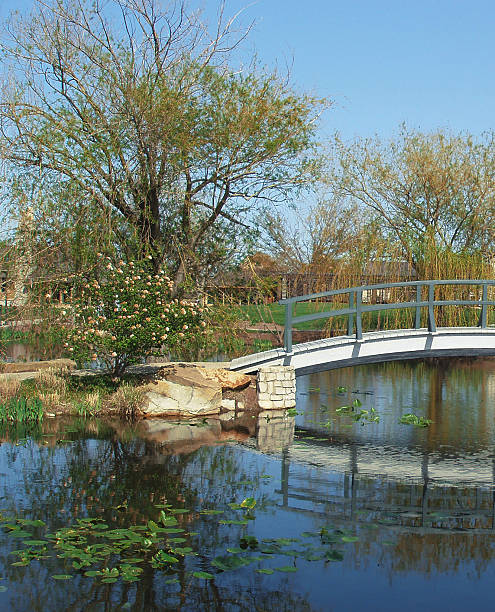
column 408, row 504
column 438, row 478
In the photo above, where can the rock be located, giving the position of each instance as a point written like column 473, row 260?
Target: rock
column 175, row 399
column 228, row 404
column 180, row 438
column 234, row 381
column 180, row 389
column 185, row 373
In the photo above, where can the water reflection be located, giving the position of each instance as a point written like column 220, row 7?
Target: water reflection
column 409, row 512
column 457, row 395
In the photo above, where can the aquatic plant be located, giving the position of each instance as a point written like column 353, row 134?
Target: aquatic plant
column 92, row 548
column 21, row 410
column 413, row 419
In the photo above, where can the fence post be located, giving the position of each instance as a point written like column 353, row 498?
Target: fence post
column 288, row 328
column 350, row 318
column 418, row 308
column 484, row 299
column 431, row 312
column 359, row 322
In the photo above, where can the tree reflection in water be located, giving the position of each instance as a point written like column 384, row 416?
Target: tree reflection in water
column 406, row 525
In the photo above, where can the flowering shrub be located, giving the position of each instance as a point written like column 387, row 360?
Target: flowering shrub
column 127, row 314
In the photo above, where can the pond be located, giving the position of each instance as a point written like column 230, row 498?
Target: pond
column 318, row 512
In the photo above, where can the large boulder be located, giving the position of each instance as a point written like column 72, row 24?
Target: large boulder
column 182, row 390
column 232, row 381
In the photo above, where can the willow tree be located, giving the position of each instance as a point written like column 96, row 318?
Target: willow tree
column 433, row 193
column 141, row 111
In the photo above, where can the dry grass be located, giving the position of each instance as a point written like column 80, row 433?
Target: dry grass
column 9, row 387
column 50, row 400
column 127, row 401
column 52, row 380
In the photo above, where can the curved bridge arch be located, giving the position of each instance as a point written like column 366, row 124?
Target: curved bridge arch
column 358, row 348
column 374, row 347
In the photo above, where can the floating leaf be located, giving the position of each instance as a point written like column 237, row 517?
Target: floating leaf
column 211, row 512
column 265, row 571
column 20, row 534
column 249, row 502
column 349, row 538
column 232, row 562
column 286, row 568
column 203, row 575
column 62, row 576
column 334, row 555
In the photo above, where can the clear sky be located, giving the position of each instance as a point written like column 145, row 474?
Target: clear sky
column 429, row 63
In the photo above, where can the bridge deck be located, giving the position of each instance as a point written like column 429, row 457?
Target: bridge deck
column 343, row 351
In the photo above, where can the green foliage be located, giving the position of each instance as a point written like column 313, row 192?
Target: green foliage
column 413, row 419
column 433, row 192
column 126, row 314
column 180, row 183
column 21, row 410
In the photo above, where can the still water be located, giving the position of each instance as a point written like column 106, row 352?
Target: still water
column 315, row 513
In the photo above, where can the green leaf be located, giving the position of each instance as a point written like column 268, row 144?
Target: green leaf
column 203, row 575
column 286, row 568
column 265, row 571
column 62, row 576
column 230, row 562
column 211, row 512
column 349, row 538
column 20, row 534
column 249, row 502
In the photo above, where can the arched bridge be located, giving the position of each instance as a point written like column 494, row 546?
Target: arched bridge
column 424, row 298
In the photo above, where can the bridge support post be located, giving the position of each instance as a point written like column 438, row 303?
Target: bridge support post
column 276, row 387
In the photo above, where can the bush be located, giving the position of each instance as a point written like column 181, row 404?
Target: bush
column 127, row 314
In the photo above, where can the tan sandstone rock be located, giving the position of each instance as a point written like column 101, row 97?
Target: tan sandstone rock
column 233, row 381
column 188, row 390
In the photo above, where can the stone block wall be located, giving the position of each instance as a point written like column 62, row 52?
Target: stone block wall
column 274, row 433
column 276, row 386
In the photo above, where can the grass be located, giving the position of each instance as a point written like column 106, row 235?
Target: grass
column 21, row 410
column 85, row 396
column 385, row 319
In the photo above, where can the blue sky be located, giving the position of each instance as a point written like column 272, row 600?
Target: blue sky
column 428, row 63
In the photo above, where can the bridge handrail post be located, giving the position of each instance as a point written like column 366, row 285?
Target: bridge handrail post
column 431, row 312
column 359, row 320
column 350, row 317
column 288, row 327
column 484, row 299
column 417, row 323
